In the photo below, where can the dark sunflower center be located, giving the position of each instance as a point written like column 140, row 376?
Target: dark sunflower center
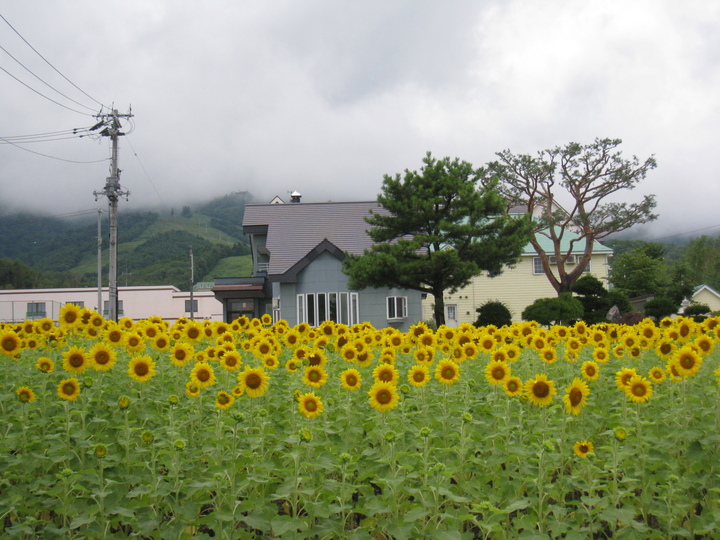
column 203, row 375
column 314, row 376
column 68, row 389
column 9, row 344
column 383, row 397
column 141, row 369
column 418, row 376
column 76, row 360
column 687, row 362
column 70, row 317
column 448, row 373
column 639, row 390
column 575, row 397
column 253, row 381
column 498, row 373
column 180, row 354
column 193, row 333
column 512, row 386
column 223, row 399
column 311, row 405
column 584, row 448
column 102, row 358
column 541, row 389
column 386, row 376
column 351, row 380
column 590, row 371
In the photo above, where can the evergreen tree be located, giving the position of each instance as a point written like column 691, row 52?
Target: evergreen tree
column 438, row 230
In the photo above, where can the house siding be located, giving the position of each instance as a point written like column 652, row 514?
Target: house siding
column 516, row 287
column 705, row 296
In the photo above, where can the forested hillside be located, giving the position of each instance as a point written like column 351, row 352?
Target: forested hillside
column 153, row 247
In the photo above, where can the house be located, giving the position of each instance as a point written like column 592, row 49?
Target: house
column 135, row 302
column 297, row 251
column 516, row 287
column 704, row 294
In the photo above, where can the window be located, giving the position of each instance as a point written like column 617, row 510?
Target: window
column 537, row 266
column 106, row 307
column 396, row 307
column 36, row 309
column 78, row 304
column 194, row 306
column 315, row 308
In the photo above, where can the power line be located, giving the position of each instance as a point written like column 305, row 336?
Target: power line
column 49, row 156
column 43, row 95
column 44, row 82
column 48, row 63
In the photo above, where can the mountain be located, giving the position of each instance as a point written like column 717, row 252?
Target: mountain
column 153, row 247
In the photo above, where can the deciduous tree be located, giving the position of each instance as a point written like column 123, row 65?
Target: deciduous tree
column 589, row 175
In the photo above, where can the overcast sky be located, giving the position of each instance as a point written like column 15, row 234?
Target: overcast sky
column 324, row 97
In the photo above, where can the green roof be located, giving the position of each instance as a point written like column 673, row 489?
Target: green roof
column 547, row 245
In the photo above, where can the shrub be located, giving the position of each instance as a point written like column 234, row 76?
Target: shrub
column 547, row 311
column 493, row 312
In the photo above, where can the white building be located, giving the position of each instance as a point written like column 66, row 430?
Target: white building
column 137, row 303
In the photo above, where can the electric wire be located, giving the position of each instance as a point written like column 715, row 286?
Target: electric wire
column 43, row 95
column 48, row 63
column 52, row 157
column 44, row 82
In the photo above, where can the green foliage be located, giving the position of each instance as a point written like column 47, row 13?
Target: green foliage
column 437, row 231
column 698, row 311
column 16, row 275
column 227, row 213
column 597, row 301
column 547, row 311
column 660, row 307
column 493, row 312
column 702, row 256
column 635, row 273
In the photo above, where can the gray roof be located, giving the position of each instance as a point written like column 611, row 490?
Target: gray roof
column 295, row 229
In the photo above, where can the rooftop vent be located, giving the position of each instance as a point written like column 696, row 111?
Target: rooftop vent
column 295, row 197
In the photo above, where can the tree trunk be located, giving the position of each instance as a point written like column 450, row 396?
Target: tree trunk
column 439, row 312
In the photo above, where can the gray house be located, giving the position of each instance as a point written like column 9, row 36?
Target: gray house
column 297, row 250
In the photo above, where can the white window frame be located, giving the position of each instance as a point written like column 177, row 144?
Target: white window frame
column 537, row 266
column 340, row 307
column 396, row 308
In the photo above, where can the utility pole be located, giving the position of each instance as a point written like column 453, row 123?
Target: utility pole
column 113, row 191
column 99, row 264
column 192, row 283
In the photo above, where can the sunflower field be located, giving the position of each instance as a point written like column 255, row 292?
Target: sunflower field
column 258, row 429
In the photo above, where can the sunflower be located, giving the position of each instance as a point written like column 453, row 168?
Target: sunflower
column 9, row 343
column 639, row 389
column 622, row 377
column 203, row 375
column 193, row 332
column 231, row 361
column 102, row 357
column 497, row 372
column 386, row 373
column 316, row 357
column 687, row 361
column 266, row 319
column 114, row 334
column 350, row 379
column 270, row 361
column 512, row 352
column 224, row 401
column 575, row 397
column 134, row 342
column 540, row 390
column 583, row 448
column 418, row 375
column 590, row 370
column 383, row 396
column 192, row 389
column 68, row 389
column 161, row 342
column 44, row 325
column 487, row 343
column 45, row 364
column 705, row 344
column 181, row 353
column 447, row 371
column 310, row 405
column 75, row 361
column 656, row 374
column 25, row 394
column 315, row 376
column 424, row 355
column 548, row 355
column 292, row 365
column 141, row 368
column 513, row 386
column 255, row 381
column 70, row 316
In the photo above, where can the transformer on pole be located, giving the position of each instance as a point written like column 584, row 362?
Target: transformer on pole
column 112, row 190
